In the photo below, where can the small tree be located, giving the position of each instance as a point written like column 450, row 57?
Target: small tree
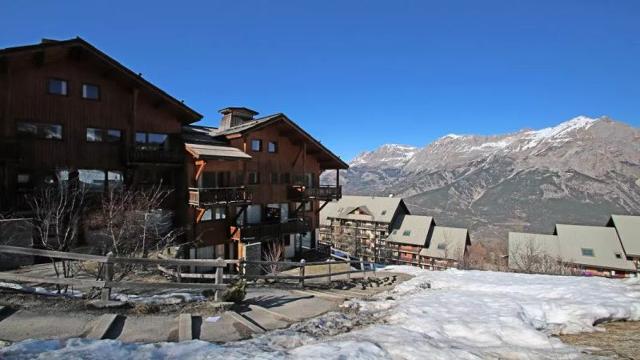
column 274, row 252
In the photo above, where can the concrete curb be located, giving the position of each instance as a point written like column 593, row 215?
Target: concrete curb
column 102, row 326
column 321, row 294
column 185, row 327
column 248, row 324
column 272, row 313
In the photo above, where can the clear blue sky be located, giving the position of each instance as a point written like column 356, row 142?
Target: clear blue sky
column 358, row 74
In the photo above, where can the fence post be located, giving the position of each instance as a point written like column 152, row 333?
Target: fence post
column 219, row 281
column 301, row 280
column 108, row 277
column 364, row 270
column 330, row 261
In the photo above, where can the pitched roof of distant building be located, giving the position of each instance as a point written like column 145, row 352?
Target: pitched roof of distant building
column 594, row 246
column 377, row 208
column 411, row 230
column 523, row 243
column 447, row 243
column 628, row 228
column 190, row 115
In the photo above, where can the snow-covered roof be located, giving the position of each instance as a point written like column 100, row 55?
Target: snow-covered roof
column 380, row 209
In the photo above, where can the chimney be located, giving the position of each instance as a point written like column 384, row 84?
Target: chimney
column 234, row 116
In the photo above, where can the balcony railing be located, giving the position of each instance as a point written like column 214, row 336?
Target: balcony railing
column 327, row 193
column 260, row 232
column 9, row 150
column 219, row 196
column 137, row 155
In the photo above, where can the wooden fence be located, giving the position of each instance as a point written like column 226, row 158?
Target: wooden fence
column 107, row 283
column 165, row 265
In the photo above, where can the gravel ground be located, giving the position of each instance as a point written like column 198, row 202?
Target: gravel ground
column 621, row 340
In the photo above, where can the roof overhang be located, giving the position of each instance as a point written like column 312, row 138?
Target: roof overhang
column 215, row 152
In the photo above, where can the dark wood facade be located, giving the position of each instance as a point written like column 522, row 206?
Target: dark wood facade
column 278, row 191
column 123, row 104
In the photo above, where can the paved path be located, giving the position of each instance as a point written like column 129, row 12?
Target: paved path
column 264, row 309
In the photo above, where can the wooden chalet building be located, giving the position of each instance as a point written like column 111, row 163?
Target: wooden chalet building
column 254, row 181
column 68, row 110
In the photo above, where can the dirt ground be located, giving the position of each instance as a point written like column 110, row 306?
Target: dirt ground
column 621, row 340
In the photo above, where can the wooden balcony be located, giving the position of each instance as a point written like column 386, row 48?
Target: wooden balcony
column 10, row 150
column 323, row 193
column 266, row 231
column 204, row 197
column 147, row 156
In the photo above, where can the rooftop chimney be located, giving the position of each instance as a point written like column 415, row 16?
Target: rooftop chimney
column 234, row 116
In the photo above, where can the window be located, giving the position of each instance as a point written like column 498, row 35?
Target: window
column 285, row 178
column 39, row 130
column 220, row 213
column 618, row 256
column 93, row 179
column 254, row 178
column 57, row 87
column 272, row 147
column 395, row 232
column 91, row 92
column 587, row 252
column 24, row 178
column 442, row 246
column 406, row 233
column 94, row 135
column 100, row 135
column 256, row 145
column 115, row 179
column 207, row 216
column 274, row 178
column 384, row 212
column 152, row 141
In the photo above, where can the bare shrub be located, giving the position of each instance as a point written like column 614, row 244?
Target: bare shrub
column 273, row 252
column 530, row 257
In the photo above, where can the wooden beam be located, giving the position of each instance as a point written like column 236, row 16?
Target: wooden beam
column 199, row 214
column 200, row 165
column 322, row 207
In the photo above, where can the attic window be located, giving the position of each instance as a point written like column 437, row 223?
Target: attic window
column 406, row 233
column 395, row 232
column 272, row 147
column 618, row 256
column 256, row 145
column 442, row 246
column 587, row 252
column 90, row 91
column 384, row 212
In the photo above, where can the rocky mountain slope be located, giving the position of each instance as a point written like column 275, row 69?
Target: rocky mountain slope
column 579, row 171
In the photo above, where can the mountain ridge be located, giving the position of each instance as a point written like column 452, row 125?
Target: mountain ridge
column 578, row 171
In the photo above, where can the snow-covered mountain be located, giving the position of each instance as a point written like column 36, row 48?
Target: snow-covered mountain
column 578, row 171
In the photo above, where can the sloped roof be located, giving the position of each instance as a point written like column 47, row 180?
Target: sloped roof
column 446, row 243
column 382, row 209
column 607, row 250
column 191, row 115
column 202, row 151
column 336, row 162
column 520, row 243
column 201, row 135
column 628, row 228
column 411, row 230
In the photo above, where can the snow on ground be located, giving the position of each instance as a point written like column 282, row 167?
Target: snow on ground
column 436, row 315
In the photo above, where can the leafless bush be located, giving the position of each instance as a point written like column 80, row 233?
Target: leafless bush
column 57, row 211
column 273, row 252
column 530, row 257
column 132, row 223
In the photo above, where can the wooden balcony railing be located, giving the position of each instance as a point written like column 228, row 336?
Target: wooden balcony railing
column 326, row 193
column 219, row 196
column 9, row 150
column 264, row 231
column 137, row 155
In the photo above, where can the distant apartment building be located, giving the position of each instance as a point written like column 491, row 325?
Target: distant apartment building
column 588, row 250
column 360, row 225
column 381, row 229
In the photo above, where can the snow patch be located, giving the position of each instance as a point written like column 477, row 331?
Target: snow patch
column 460, row 315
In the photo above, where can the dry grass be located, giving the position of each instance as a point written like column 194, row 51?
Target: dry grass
column 145, row 309
column 621, row 340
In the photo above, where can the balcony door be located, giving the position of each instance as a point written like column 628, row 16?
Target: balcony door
column 214, row 179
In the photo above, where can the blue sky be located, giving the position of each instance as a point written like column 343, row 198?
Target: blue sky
column 358, row 74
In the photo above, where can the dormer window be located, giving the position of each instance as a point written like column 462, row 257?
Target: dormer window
column 406, row 233
column 587, row 252
column 57, row 87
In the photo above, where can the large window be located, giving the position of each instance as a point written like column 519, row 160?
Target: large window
column 214, row 214
column 57, row 87
column 39, row 130
column 256, row 145
column 152, row 141
column 100, row 135
column 91, row 92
